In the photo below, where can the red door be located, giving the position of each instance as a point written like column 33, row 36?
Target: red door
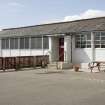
column 61, row 49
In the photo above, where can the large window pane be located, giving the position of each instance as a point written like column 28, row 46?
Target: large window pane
column 22, row 44
column 45, row 43
column 103, row 34
column 32, row 43
column 78, row 37
column 97, row 42
column 7, row 43
column 27, row 43
column 102, row 42
column 103, row 38
column 89, row 46
column 97, row 38
column 83, row 45
column 83, row 42
column 89, row 37
column 36, row 43
column 3, row 44
column 97, row 34
column 97, row 46
column 88, row 42
column 11, row 43
column 102, row 45
column 16, row 43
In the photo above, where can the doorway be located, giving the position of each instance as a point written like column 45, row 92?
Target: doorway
column 61, row 49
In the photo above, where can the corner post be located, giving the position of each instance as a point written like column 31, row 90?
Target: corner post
column 92, row 47
column 67, row 49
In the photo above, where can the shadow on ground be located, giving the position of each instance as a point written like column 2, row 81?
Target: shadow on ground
column 51, row 72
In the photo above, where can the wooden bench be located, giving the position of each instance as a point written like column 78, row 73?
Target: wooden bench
column 96, row 64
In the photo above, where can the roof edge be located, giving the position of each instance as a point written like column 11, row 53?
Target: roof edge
column 54, row 23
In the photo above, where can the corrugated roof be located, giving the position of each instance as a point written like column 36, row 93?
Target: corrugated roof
column 57, row 28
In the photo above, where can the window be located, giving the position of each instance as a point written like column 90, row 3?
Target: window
column 13, row 43
column 45, row 43
column 16, row 43
column 102, row 39
column 32, row 43
column 22, row 44
column 99, row 39
column 26, row 42
column 36, row 43
column 5, row 43
column 83, row 40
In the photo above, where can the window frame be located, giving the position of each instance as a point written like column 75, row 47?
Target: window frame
column 101, row 40
column 82, row 40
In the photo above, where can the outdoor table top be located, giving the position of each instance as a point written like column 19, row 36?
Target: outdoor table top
column 98, row 61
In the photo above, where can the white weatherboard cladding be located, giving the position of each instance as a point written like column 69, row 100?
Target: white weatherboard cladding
column 39, row 52
column 82, row 55
column 100, row 54
column 11, row 53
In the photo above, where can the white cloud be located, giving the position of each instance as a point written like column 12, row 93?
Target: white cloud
column 85, row 15
column 15, row 4
column 50, row 21
column 1, row 28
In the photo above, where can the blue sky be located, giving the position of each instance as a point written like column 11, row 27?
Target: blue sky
column 15, row 13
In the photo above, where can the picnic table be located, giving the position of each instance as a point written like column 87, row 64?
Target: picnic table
column 96, row 64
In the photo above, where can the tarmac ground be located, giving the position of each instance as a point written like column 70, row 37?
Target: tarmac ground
column 38, row 87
